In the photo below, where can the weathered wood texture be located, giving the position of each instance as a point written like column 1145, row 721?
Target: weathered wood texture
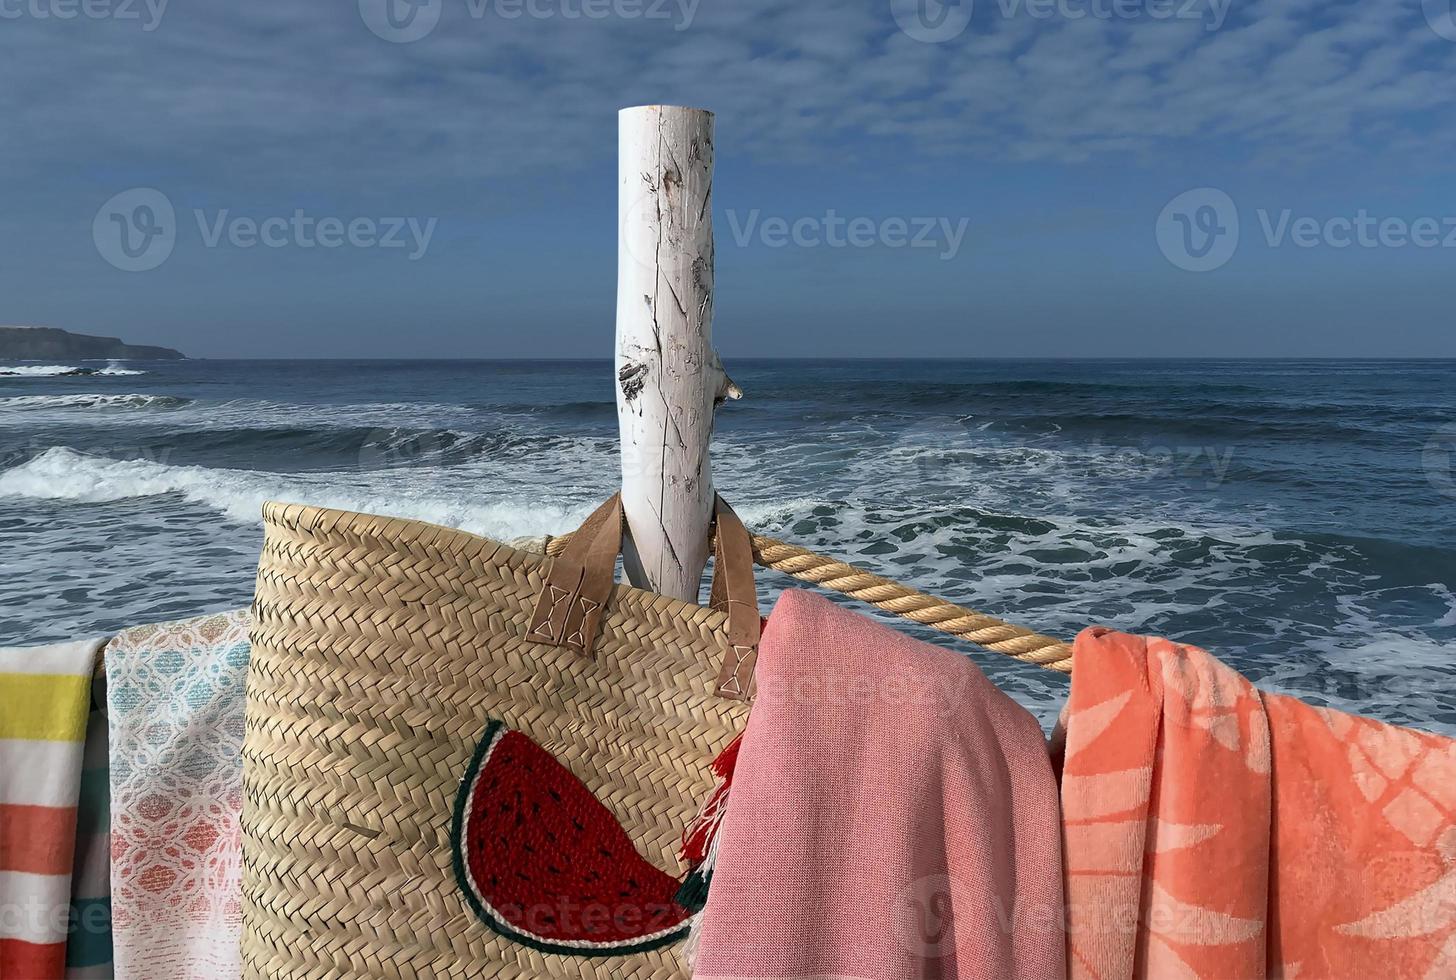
column 668, row 375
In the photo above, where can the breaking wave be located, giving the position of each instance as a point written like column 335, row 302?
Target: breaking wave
column 93, row 401
column 114, row 369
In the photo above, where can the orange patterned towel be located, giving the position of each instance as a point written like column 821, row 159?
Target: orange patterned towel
column 1212, row 831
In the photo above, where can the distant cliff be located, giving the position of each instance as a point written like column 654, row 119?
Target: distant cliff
column 46, row 343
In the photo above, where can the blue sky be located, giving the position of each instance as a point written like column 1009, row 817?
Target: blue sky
column 1071, row 168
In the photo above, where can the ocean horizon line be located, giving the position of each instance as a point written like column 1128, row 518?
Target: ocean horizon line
column 780, row 358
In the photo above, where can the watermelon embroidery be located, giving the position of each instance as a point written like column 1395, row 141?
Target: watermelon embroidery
column 545, row 864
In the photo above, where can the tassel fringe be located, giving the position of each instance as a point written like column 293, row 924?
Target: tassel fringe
column 700, row 844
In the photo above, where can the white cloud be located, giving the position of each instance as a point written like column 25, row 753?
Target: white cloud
column 269, row 87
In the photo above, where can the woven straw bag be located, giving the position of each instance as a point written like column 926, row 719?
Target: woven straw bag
column 462, row 759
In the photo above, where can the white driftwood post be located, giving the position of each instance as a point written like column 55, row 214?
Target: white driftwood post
column 668, row 376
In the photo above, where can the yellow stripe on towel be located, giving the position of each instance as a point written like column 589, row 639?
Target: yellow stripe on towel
column 44, row 707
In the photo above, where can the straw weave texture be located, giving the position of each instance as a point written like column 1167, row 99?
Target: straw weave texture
column 381, row 649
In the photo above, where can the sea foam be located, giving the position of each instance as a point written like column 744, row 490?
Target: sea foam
column 36, row 370
column 116, row 370
column 113, row 369
column 61, row 473
column 92, row 400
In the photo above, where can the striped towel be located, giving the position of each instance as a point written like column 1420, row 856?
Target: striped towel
column 88, row 949
column 175, row 705
column 45, row 698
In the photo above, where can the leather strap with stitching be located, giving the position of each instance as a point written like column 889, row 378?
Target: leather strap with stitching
column 734, row 593
column 569, row 607
column 579, row 581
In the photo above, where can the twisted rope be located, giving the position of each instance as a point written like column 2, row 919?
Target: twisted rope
column 984, row 631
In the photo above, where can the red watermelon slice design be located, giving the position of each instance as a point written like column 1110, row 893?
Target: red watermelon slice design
column 544, row 863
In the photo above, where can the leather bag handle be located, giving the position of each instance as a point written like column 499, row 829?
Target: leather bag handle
column 734, row 593
column 579, row 581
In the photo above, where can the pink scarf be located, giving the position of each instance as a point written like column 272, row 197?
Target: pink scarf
column 893, row 816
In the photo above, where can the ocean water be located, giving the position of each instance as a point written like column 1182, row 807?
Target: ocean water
column 1298, row 518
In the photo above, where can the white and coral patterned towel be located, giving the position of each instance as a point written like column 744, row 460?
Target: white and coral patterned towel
column 175, row 699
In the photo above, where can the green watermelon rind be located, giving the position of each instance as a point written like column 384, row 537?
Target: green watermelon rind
column 474, row 897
